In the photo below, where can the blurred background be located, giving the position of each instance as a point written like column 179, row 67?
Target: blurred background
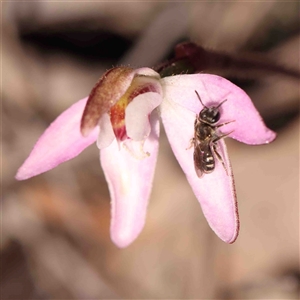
column 55, row 240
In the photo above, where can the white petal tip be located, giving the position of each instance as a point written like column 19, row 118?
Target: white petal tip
column 123, row 237
column 232, row 240
column 122, row 240
column 229, row 238
column 19, row 177
column 271, row 137
column 22, row 174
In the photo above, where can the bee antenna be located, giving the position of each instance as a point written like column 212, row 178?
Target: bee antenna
column 221, row 103
column 200, row 99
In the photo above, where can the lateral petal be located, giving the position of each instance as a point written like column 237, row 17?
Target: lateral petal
column 61, row 141
column 248, row 126
column 130, row 182
column 215, row 191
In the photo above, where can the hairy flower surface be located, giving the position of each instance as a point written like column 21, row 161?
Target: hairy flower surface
column 122, row 115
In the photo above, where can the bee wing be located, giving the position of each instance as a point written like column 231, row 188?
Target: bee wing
column 198, row 162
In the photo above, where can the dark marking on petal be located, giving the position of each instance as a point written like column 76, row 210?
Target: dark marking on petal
column 107, row 91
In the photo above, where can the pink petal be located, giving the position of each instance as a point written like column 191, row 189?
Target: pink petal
column 248, row 127
column 137, row 124
column 214, row 191
column 130, row 182
column 60, row 142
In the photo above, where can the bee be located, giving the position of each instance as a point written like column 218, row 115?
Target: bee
column 206, row 137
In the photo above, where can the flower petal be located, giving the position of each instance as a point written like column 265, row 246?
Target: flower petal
column 60, row 142
column 130, row 182
column 248, row 127
column 214, row 191
column 137, row 124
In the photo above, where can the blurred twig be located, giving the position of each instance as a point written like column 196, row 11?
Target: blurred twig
column 191, row 58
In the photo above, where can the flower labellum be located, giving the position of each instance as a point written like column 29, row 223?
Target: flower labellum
column 122, row 114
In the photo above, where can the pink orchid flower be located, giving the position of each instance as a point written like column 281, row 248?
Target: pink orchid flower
column 122, row 114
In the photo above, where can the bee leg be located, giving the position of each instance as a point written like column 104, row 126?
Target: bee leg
column 220, row 125
column 192, row 144
column 193, row 140
column 217, row 138
column 219, row 157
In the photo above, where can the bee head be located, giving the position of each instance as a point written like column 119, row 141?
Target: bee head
column 210, row 115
